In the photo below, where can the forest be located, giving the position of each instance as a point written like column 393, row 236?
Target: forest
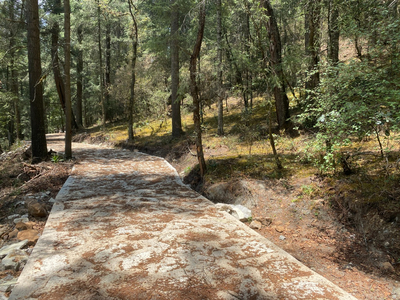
column 225, row 89
column 328, row 66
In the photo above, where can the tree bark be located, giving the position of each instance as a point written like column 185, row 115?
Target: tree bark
column 220, row 84
column 68, row 108
column 38, row 134
column 175, row 103
column 194, row 90
column 79, row 81
column 107, row 77
column 58, row 79
column 275, row 47
column 14, row 73
column 312, row 41
column 333, row 32
column 134, row 37
column 103, row 106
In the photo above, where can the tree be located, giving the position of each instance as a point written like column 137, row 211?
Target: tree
column 14, row 69
column 312, row 42
column 275, row 48
column 134, row 37
column 79, row 79
column 194, row 90
column 101, row 73
column 333, row 31
column 68, row 109
column 219, row 59
column 174, row 44
column 38, row 134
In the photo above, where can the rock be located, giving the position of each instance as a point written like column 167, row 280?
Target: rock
column 23, row 220
column 13, row 216
column 22, row 203
column 7, row 249
column 15, row 259
column 37, row 210
column 238, row 211
column 31, row 235
column 280, row 229
column 396, row 291
column 21, row 226
column 282, row 237
column 52, row 200
column 13, row 234
column 7, row 284
column 30, row 224
column 265, row 221
column 386, row 267
column 255, row 225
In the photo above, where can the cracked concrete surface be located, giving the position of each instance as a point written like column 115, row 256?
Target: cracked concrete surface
column 124, row 226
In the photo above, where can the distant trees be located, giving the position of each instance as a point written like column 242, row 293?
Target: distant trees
column 288, row 50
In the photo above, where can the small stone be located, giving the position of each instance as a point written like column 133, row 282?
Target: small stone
column 52, row 200
column 238, row 211
column 280, row 229
column 22, row 203
column 282, row 237
column 23, row 220
column 31, row 235
column 7, row 249
column 7, row 283
column 266, row 222
column 14, row 259
column 13, row 216
column 396, row 291
column 37, row 210
column 255, row 225
column 21, row 226
column 387, row 267
column 13, row 234
column 30, row 224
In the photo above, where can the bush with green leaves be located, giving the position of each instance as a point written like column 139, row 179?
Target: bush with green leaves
column 354, row 100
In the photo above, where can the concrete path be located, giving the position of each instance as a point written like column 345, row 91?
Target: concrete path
column 125, row 227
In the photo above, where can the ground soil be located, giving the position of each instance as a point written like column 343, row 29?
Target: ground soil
column 308, row 227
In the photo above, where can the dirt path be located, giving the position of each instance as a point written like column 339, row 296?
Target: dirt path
column 125, row 227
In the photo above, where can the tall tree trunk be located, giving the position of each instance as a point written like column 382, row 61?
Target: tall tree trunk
column 194, row 90
column 14, row 74
column 38, row 134
column 134, row 37
column 58, row 79
column 275, row 47
column 221, row 91
column 79, row 81
column 312, row 41
column 103, row 106
column 107, row 79
column 175, row 103
column 333, row 32
column 68, row 108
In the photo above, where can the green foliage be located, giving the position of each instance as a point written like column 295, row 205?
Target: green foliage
column 56, row 158
column 356, row 99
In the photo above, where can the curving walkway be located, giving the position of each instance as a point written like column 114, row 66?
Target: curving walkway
column 125, row 227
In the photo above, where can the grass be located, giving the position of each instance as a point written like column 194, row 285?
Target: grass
column 236, row 155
